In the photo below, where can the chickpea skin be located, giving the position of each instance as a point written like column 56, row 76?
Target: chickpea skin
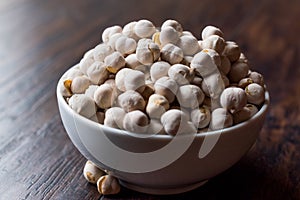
column 131, row 100
column 166, row 87
column 108, row 185
column 172, row 120
column 159, row 69
column 245, row 113
column 136, row 121
column 157, row 105
column 80, row 84
column 103, row 96
column 232, row 51
column 255, row 93
column 201, row 117
column 182, row 74
column 83, row 105
column 190, row 96
column 211, row 30
column 171, row 53
column 91, row 172
column 238, row 71
column 233, row 99
column 114, row 117
column 114, row 62
column 147, row 52
column 220, row 118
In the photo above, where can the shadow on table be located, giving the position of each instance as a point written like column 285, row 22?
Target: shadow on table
column 245, row 180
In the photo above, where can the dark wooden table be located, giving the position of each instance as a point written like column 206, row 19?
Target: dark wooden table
column 40, row 40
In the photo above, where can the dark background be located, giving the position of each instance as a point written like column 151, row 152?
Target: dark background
column 40, row 40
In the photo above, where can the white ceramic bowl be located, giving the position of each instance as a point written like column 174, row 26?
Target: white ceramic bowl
column 161, row 164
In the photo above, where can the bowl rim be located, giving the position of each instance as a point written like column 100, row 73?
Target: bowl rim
column 61, row 100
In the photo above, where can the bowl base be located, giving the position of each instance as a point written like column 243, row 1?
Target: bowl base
column 162, row 191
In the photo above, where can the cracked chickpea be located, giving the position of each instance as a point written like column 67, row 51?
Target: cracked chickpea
column 171, row 53
column 91, row 172
column 245, row 113
column 213, row 85
column 157, row 105
column 155, row 38
column 214, row 56
column 65, row 88
column 233, row 99
column 147, row 52
column 174, row 24
column 201, row 117
column 190, row 96
column 257, row 78
column 182, row 74
column 114, row 62
column 203, row 64
column 211, row 30
column 148, row 91
column 214, row 42
column 108, row 185
column 243, row 83
column 130, row 79
column 187, row 60
column 97, row 73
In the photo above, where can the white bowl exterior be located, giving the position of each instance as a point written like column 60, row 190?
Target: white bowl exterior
column 90, row 139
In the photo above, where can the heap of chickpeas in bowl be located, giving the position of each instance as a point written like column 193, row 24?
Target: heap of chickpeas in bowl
column 162, row 81
column 148, row 80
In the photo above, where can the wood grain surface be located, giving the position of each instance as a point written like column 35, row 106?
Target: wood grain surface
column 40, row 40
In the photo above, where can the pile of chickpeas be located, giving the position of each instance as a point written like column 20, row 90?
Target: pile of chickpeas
column 164, row 80
column 150, row 80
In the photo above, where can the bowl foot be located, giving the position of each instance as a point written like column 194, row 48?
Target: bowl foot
column 162, row 191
